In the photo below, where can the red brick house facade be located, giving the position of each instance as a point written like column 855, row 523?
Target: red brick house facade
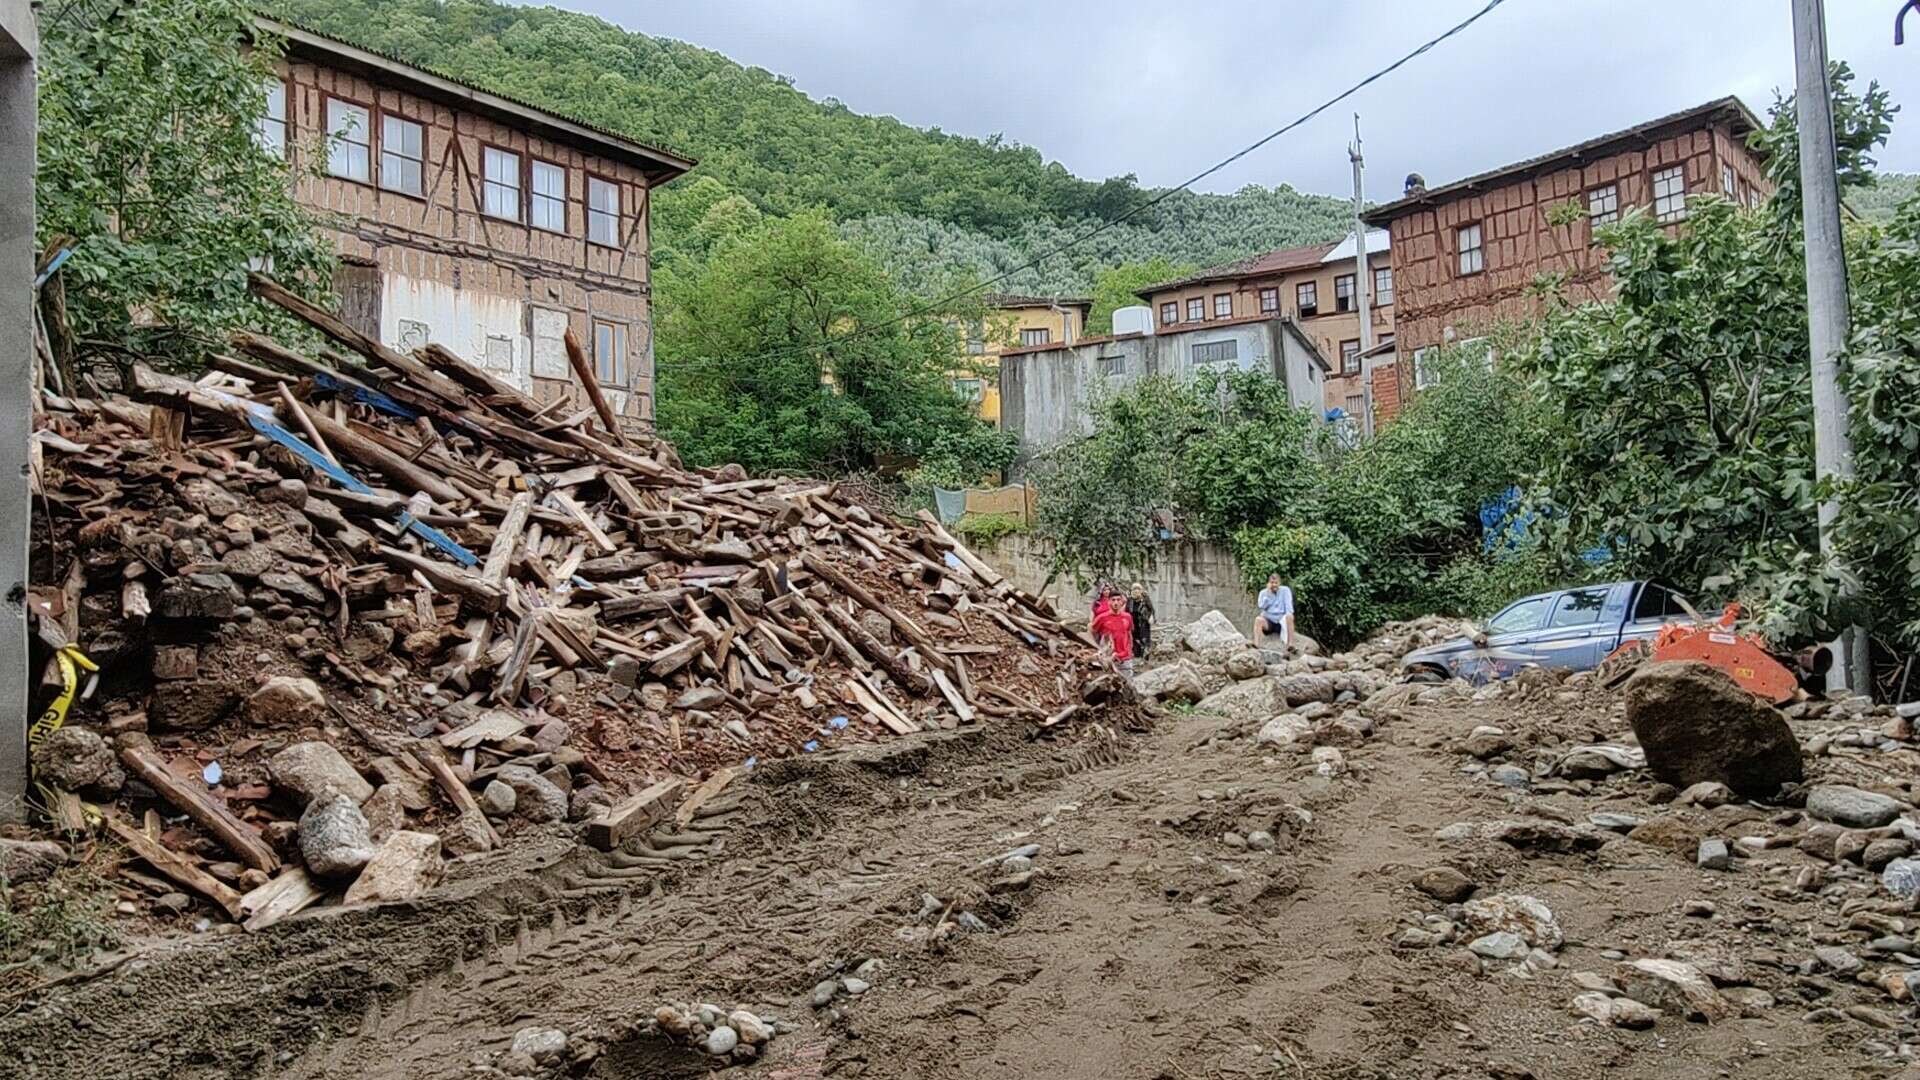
column 1466, row 254
column 475, row 221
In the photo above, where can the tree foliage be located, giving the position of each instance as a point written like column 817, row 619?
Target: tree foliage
column 925, row 202
column 784, row 351
column 1115, row 287
column 1683, row 429
column 148, row 164
column 1386, row 529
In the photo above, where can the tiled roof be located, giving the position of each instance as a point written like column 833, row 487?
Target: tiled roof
column 301, row 39
column 1600, row 146
column 1015, row 300
column 1273, row 262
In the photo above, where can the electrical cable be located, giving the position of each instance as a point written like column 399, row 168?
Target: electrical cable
column 938, row 305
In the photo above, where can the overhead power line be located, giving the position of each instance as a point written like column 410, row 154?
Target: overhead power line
column 941, row 304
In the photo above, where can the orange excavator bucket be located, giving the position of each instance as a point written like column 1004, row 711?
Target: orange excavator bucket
column 1744, row 657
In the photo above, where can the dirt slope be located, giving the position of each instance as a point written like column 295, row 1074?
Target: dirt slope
column 1145, row 947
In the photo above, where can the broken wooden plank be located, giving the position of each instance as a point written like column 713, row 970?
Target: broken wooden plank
column 437, row 765
column 191, row 799
column 288, row 894
column 589, row 381
column 960, row 706
column 634, row 816
column 494, row 725
column 505, row 539
column 579, row 514
column 479, row 594
column 705, row 793
column 173, row 864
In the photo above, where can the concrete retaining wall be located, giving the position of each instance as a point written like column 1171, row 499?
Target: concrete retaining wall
column 1187, row 580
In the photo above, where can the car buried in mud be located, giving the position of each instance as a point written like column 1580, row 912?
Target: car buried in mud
column 1571, row 629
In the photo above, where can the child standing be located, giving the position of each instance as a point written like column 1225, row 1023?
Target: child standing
column 1115, row 627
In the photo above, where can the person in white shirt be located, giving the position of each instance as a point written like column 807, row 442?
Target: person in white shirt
column 1276, row 613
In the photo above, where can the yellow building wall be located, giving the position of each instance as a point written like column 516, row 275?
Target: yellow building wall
column 1003, row 332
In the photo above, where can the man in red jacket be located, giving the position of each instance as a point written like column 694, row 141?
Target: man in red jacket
column 1115, row 626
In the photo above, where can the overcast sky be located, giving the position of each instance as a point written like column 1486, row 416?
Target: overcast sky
column 1165, row 89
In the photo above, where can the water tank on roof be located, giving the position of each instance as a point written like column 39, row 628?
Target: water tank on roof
column 1137, row 319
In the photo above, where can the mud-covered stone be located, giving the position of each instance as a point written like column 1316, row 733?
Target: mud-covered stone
column 22, row 861
column 78, row 759
column 334, row 838
column 1695, row 723
column 190, row 704
column 285, row 699
column 1178, row 681
column 535, row 797
column 306, row 770
column 405, row 865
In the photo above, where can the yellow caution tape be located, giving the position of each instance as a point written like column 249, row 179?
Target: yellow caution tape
column 71, row 660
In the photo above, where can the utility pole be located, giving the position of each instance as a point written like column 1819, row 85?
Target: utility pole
column 1363, row 272
column 1827, row 304
column 19, row 43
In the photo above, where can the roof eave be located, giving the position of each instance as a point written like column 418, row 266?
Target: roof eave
column 1382, row 216
column 659, row 166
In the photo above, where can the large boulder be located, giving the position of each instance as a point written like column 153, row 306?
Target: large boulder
column 1674, row 987
column 1214, row 631
column 1178, row 681
column 308, row 769
column 285, row 699
column 1255, row 697
column 1244, row 664
column 1695, row 723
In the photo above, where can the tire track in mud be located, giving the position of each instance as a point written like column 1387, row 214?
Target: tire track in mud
column 535, row 935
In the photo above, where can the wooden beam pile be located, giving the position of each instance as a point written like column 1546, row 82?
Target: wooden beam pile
column 527, row 552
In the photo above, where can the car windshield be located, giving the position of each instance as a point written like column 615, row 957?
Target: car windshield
column 1528, row 614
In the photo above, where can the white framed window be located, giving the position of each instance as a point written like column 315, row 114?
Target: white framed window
column 1423, row 373
column 1727, row 186
column 1473, row 258
column 1306, row 298
column 1343, row 289
column 1039, row 336
column 1670, row 193
column 610, row 353
column 349, row 134
column 1753, row 198
column 1350, row 357
column 402, row 155
column 1215, row 352
column 1169, row 313
column 1603, row 204
column 1269, row 301
column 270, row 131
column 1223, row 305
column 972, row 391
column 500, row 183
column 1479, row 342
column 1356, row 405
column 603, row 212
column 549, row 196
column 1196, row 310
column 1382, row 286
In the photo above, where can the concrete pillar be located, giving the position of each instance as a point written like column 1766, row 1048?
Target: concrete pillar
column 18, row 45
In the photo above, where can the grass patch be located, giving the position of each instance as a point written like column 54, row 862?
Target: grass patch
column 987, row 528
column 56, row 923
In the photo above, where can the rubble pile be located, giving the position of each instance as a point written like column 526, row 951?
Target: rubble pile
column 354, row 610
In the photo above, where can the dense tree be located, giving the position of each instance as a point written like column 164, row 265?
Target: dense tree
column 1683, row 433
column 785, row 351
column 927, row 203
column 1117, row 287
column 149, row 165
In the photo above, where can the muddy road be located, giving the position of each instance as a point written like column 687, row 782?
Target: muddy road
column 1147, row 944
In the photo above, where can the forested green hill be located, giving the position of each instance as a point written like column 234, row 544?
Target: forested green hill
column 926, row 202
